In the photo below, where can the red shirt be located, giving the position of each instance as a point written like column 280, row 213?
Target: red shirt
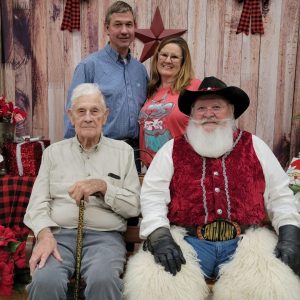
column 161, row 120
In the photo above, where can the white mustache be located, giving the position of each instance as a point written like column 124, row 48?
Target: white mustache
column 213, row 120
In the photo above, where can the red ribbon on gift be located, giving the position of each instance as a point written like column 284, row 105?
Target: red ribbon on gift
column 251, row 11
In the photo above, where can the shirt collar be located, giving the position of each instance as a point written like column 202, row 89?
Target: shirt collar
column 115, row 55
column 94, row 149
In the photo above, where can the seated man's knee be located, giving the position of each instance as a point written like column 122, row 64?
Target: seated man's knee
column 48, row 283
column 104, row 280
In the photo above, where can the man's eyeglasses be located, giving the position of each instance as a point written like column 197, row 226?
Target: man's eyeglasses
column 173, row 58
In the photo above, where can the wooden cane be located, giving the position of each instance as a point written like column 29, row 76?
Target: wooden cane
column 79, row 249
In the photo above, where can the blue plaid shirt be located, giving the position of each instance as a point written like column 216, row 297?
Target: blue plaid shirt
column 124, row 86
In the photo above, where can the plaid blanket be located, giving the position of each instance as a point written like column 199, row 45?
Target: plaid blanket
column 14, row 196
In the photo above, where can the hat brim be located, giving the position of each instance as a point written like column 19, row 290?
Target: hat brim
column 234, row 95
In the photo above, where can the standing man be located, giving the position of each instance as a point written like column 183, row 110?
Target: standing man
column 121, row 78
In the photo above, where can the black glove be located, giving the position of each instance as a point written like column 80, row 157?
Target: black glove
column 288, row 246
column 164, row 249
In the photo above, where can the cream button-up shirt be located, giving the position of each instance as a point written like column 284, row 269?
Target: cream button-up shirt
column 66, row 162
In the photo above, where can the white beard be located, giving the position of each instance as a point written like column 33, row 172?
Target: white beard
column 211, row 143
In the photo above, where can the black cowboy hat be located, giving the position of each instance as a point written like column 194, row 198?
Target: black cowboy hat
column 213, row 85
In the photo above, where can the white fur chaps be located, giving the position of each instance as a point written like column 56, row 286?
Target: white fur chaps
column 146, row 280
column 254, row 273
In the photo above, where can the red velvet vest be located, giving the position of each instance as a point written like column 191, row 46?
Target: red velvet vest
column 245, row 179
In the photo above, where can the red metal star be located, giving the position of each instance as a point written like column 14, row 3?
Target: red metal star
column 151, row 37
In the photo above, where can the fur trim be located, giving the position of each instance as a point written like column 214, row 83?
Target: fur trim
column 146, row 280
column 255, row 273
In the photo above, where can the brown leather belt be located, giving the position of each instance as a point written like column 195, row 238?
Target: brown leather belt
column 218, row 230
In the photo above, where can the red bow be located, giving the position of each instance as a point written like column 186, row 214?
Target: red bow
column 71, row 20
column 251, row 10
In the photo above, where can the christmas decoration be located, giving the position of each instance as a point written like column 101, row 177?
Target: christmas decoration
column 9, row 113
column 293, row 172
column 251, row 12
column 25, row 158
column 12, row 257
column 151, row 37
column 71, row 19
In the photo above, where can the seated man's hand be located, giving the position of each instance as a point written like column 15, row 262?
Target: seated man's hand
column 84, row 188
column 45, row 246
column 165, row 251
column 288, row 246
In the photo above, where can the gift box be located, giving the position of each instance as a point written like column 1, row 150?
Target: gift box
column 25, row 158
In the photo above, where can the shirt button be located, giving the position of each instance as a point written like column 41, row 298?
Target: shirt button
column 219, row 211
column 217, row 190
column 216, row 173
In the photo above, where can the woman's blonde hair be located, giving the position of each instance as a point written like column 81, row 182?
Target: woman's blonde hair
column 185, row 74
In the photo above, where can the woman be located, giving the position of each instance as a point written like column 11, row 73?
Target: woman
column 160, row 119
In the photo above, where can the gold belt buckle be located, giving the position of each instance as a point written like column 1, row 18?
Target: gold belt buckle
column 218, row 230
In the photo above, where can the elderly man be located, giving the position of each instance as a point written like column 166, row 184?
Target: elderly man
column 102, row 172
column 217, row 182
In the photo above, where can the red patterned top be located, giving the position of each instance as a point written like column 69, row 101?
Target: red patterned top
column 161, row 120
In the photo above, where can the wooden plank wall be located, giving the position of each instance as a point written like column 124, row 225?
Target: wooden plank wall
column 39, row 58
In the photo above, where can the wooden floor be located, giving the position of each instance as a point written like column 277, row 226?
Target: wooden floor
column 16, row 296
column 23, row 296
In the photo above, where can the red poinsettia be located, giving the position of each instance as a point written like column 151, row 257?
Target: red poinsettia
column 20, row 232
column 6, row 236
column 10, row 113
column 12, row 254
column 4, row 255
column 19, row 256
column 6, row 278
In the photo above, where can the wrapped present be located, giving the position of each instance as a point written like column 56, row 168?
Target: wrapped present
column 25, row 158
